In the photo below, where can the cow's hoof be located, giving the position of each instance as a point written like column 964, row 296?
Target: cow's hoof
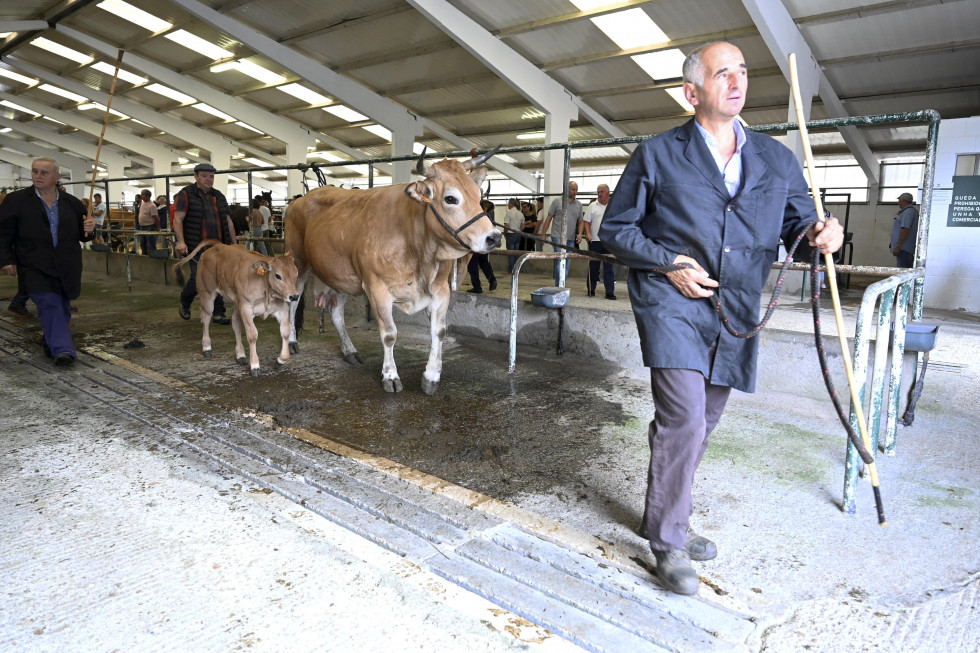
column 242, row 361
column 281, row 362
column 294, row 348
column 207, row 353
column 392, row 385
column 429, row 387
column 255, row 372
column 354, row 358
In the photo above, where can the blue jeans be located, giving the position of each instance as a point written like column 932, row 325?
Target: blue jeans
column 147, row 243
column 513, row 244
column 608, row 273
column 570, row 243
column 53, row 309
column 905, row 259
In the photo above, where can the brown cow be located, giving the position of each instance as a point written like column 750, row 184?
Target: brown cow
column 259, row 285
column 397, row 245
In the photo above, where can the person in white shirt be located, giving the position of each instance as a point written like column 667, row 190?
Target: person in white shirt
column 99, row 214
column 591, row 222
column 514, row 221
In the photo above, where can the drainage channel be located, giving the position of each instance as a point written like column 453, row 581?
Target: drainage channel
column 597, row 605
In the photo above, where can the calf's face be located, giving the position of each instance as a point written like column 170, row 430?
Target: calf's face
column 281, row 274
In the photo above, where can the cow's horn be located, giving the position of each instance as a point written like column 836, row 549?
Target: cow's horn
column 480, row 160
column 420, row 166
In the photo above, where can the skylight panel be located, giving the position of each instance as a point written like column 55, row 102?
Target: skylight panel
column 17, row 107
column 6, row 130
column 345, row 113
column 250, row 127
column 63, row 93
column 632, row 28
column 666, row 64
column 62, row 51
column 207, row 108
column 678, row 94
column 302, row 93
column 100, row 107
column 379, row 130
column 199, row 45
column 23, row 79
column 124, row 75
column 139, row 17
column 170, row 93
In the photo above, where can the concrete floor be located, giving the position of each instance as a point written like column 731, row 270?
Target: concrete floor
column 129, row 533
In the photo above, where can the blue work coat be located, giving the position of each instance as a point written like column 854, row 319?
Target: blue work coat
column 672, row 199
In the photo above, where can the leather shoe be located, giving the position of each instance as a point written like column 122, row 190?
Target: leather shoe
column 19, row 310
column 64, row 359
column 676, row 573
column 609, row 295
column 476, row 291
column 184, row 311
column 221, row 319
column 493, row 285
column 700, row 548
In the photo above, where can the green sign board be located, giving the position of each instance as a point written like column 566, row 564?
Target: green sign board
column 964, row 210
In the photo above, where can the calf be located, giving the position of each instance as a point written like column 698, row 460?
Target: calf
column 259, row 285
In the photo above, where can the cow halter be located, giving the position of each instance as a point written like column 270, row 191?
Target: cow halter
column 454, row 233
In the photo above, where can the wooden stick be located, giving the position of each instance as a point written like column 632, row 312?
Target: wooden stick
column 832, row 280
column 105, row 123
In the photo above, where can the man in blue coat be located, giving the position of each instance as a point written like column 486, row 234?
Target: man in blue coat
column 717, row 197
column 40, row 228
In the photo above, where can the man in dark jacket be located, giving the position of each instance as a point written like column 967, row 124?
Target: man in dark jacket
column 200, row 213
column 40, row 230
column 717, row 197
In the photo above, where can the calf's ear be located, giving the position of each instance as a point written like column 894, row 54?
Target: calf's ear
column 261, row 267
column 419, row 191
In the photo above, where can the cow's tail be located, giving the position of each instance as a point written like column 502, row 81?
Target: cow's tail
column 178, row 266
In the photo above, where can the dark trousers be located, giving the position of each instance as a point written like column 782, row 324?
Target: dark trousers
column 480, row 262
column 687, row 410
column 904, row 259
column 608, row 272
column 513, row 244
column 147, row 243
column 20, row 299
column 54, row 311
column 189, row 291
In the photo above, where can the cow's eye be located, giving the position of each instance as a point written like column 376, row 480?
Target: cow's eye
column 279, row 276
column 452, row 199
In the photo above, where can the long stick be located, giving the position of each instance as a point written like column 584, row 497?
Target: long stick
column 105, row 123
column 832, row 279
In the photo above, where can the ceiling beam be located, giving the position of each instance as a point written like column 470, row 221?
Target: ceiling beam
column 564, row 19
column 313, row 32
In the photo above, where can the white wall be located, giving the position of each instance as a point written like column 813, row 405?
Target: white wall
column 953, row 259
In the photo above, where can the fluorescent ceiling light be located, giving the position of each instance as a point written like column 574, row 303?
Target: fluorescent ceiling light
column 345, row 113
column 632, row 28
column 666, row 64
column 326, row 156
column 101, row 107
column 128, row 12
column 52, row 120
column 5, row 130
column 62, row 51
column 124, row 75
column 256, row 71
column 379, row 130
column 188, row 166
column 207, row 108
column 199, row 45
column 4, row 35
column 527, row 136
column 63, row 93
column 17, row 107
column 17, row 77
column 677, row 93
column 260, row 175
column 247, row 126
column 170, row 93
column 305, row 94
column 256, row 162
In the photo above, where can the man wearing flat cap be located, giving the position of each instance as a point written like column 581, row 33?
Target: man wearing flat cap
column 906, row 225
column 200, row 213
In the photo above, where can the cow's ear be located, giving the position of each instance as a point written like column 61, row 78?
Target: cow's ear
column 478, row 176
column 261, row 267
column 419, row 191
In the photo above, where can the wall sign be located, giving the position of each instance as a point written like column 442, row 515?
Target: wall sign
column 964, row 209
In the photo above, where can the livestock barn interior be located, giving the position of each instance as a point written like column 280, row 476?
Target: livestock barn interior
column 154, row 499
